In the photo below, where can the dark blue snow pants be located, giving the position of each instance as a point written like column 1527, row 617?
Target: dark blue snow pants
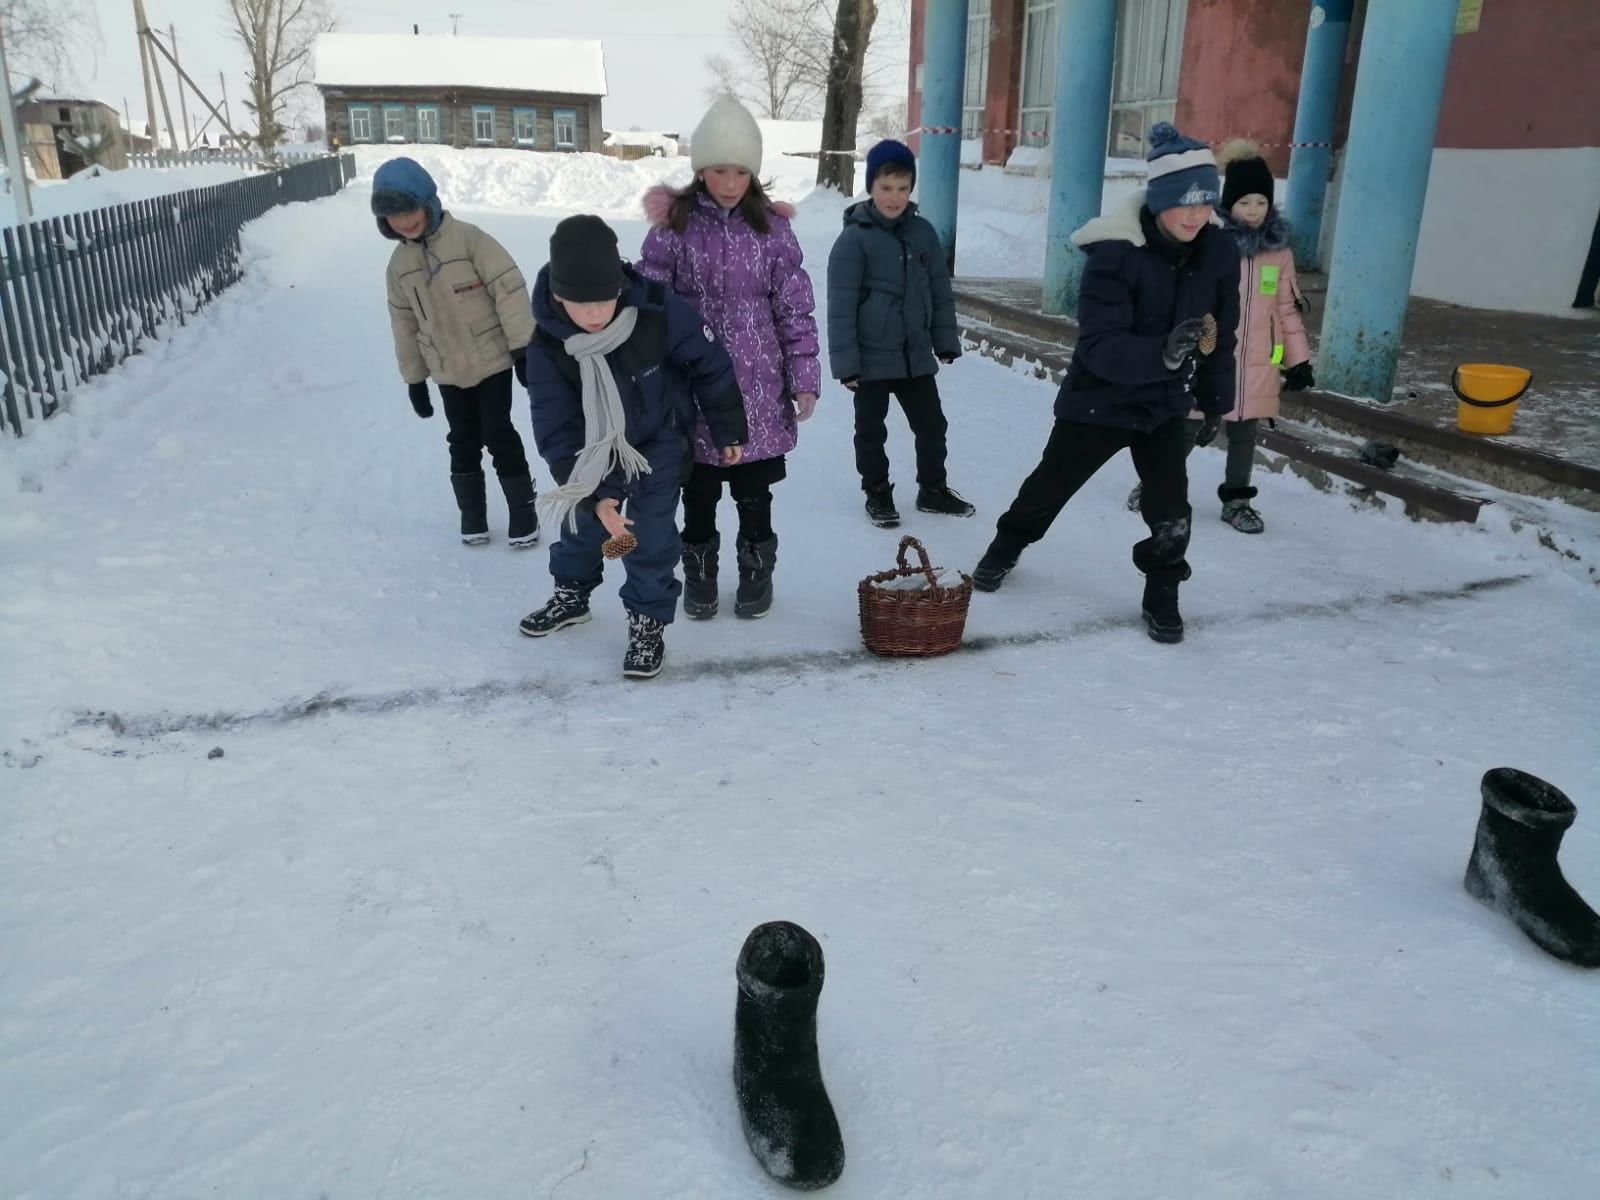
column 652, row 585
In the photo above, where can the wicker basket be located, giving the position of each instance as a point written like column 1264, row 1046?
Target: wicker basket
column 912, row 622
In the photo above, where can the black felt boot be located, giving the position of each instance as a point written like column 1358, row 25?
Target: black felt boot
column 522, row 528
column 700, row 578
column 474, row 506
column 1514, row 871
column 788, row 1120
column 756, row 562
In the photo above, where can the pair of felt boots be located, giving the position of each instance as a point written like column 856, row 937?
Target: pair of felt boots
column 756, row 559
column 522, row 521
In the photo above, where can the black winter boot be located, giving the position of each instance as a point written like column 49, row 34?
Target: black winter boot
column 522, row 529
column 944, row 501
column 569, row 606
column 788, row 1120
column 700, row 578
column 474, row 506
column 1161, row 617
column 756, row 561
column 1514, row 871
column 880, row 506
column 1237, row 511
column 647, row 649
column 992, row 569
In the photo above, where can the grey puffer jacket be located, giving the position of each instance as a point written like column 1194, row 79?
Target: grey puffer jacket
column 890, row 311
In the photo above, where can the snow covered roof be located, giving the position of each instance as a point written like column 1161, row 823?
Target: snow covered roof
column 508, row 64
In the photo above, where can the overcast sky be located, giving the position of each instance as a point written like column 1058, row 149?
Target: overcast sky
column 655, row 49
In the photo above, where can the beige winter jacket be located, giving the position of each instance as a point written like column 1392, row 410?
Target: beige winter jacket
column 458, row 306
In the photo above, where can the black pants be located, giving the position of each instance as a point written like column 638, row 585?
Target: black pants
column 920, row 400
column 480, row 416
column 751, row 487
column 1073, row 454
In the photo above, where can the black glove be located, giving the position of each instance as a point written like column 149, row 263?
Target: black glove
column 850, row 381
column 1208, row 430
column 1298, row 378
column 519, row 364
column 947, row 359
column 1181, row 343
column 420, row 404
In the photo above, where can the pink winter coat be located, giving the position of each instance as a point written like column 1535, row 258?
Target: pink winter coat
column 754, row 292
column 1272, row 336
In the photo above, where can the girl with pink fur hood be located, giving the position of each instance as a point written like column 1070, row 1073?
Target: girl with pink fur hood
column 727, row 249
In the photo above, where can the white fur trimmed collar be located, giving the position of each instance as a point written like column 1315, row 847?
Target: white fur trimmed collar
column 1121, row 224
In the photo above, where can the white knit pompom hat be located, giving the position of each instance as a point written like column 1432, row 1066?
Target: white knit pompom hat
column 727, row 136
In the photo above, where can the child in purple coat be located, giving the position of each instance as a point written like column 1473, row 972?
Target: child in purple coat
column 722, row 245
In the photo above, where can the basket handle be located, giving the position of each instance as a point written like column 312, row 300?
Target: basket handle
column 922, row 553
column 1455, row 386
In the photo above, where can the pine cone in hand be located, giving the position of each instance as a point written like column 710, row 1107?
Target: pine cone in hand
column 1208, row 335
column 616, row 547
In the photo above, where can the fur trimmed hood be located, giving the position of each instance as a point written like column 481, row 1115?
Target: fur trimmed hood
column 1121, row 224
column 657, row 204
column 1272, row 234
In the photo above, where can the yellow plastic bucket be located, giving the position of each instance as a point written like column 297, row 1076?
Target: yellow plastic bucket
column 1488, row 395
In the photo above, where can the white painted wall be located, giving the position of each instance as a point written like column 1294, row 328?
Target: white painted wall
column 1506, row 229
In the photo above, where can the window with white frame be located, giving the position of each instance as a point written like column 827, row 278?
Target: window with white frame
column 1149, row 54
column 976, row 86
column 394, row 123
column 360, row 124
column 427, row 122
column 524, row 125
column 483, row 124
column 1038, row 71
column 566, row 128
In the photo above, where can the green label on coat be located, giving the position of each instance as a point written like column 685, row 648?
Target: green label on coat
column 1269, row 281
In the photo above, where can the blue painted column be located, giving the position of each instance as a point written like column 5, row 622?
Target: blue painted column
column 1310, row 165
column 944, row 65
column 1086, row 41
column 1405, row 49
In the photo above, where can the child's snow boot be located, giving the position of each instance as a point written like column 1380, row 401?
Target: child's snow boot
column 569, row 606
column 1161, row 617
column 647, row 648
column 880, row 506
column 700, row 578
column 474, row 506
column 788, row 1120
column 756, row 561
column 522, row 530
column 944, row 501
column 1236, row 510
column 1513, row 868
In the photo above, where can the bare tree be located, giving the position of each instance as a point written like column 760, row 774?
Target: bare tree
column 278, row 36
column 781, row 62
column 43, row 37
column 852, row 32
column 890, row 120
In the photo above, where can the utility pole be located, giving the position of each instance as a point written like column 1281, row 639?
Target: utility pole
column 183, row 78
column 226, row 115
column 144, row 70
column 183, row 108
column 454, row 19
column 148, row 39
column 13, row 136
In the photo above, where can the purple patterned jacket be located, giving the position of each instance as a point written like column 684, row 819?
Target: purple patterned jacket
column 755, row 294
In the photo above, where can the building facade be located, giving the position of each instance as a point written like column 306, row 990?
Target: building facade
column 63, row 136
column 1515, row 177
column 513, row 93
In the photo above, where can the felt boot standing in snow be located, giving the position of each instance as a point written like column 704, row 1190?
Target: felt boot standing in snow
column 788, row 1120
column 700, row 578
column 473, row 502
column 1513, row 868
column 1237, row 511
column 756, row 561
column 522, row 528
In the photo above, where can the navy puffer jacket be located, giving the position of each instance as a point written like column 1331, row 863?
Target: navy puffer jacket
column 1137, row 287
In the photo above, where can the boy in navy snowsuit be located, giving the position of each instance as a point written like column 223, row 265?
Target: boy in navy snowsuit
column 619, row 371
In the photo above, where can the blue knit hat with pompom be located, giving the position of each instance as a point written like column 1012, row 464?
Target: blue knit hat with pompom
column 1182, row 171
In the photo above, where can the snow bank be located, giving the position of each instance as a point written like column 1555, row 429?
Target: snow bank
column 83, row 192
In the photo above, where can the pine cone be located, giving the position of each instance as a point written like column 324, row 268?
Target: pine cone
column 616, row 547
column 1208, row 334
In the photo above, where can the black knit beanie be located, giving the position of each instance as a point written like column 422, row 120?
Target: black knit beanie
column 584, row 264
column 1246, row 177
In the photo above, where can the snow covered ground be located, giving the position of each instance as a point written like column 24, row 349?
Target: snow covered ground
column 455, row 913
column 57, row 197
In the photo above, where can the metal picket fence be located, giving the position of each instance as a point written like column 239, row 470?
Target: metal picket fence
column 231, row 157
column 80, row 293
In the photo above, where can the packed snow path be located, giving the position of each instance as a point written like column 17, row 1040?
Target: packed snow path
column 455, row 913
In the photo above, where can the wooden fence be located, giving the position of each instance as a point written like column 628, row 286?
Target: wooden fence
column 79, row 294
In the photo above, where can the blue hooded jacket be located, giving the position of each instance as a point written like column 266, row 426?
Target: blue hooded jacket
column 669, row 371
column 405, row 179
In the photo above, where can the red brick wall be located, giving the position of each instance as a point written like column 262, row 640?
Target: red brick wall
column 1002, row 100
column 1241, row 71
